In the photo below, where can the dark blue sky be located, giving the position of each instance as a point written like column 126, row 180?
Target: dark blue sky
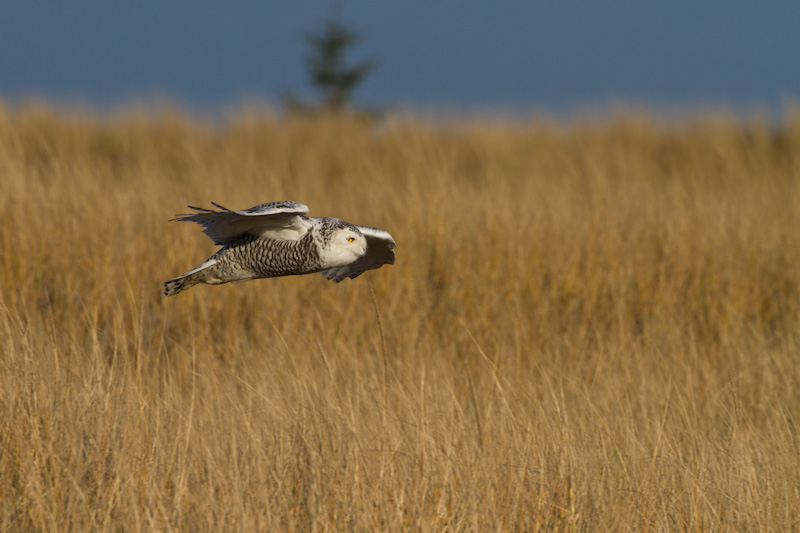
column 437, row 55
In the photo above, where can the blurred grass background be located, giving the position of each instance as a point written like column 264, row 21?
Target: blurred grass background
column 592, row 325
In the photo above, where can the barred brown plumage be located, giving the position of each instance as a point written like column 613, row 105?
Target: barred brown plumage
column 276, row 239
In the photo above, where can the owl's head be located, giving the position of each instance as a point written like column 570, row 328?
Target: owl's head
column 343, row 244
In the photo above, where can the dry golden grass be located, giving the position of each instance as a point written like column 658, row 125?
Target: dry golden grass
column 591, row 326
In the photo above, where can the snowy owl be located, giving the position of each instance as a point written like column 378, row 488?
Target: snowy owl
column 276, row 239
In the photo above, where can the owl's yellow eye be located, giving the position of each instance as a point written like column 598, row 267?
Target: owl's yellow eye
column 350, row 239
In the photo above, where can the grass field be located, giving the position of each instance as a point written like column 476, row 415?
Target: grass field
column 592, row 325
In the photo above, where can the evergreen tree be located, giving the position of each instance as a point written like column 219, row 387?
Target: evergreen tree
column 328, row 71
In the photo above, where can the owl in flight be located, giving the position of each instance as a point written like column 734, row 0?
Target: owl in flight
column 277, row 239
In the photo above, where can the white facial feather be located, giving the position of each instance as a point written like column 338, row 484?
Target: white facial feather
column 345, row 246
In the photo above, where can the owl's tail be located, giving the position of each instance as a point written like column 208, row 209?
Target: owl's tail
column 189, row 280
column 174, row 286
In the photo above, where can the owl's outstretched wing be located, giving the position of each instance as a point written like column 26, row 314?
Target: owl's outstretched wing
column 274, row 220
column 380, row 251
